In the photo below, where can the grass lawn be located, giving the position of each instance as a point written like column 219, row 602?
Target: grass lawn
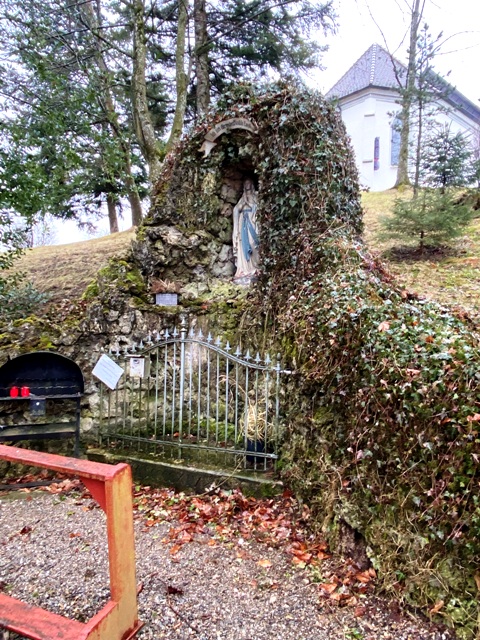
column 450, row 276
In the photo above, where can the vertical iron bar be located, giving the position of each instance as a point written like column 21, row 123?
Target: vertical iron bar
column 140, row 408
column 165, row 371
column 116, row 409
column 155, row 409
column 125, row 399
column 257, row 417
column 199, row 389
column 227, row 373
column 217, row 399
column 132, row 402
column 266, row 376
column 148, row 401
column 109, row 410
column 100, row 419
column 190, row 387
column 208, row 394
column 277, row 408
column 174, row 384
column 236, row 404
column 183, row 335
column 245, row 411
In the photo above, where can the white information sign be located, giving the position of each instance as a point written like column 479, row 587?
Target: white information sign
column 166, row 299
column 137, row 367
column 108, row 371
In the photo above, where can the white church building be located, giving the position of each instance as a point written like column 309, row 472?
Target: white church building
column 369, row 100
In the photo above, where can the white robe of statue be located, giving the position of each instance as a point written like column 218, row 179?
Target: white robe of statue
column 245, row 235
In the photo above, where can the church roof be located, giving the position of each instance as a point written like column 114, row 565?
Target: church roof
column 377, row 68
column 373, row 69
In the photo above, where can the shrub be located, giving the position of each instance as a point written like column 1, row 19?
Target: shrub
column 431, row 217
column 19, row 300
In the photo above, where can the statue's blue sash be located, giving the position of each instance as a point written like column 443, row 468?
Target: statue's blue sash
column 248, row 232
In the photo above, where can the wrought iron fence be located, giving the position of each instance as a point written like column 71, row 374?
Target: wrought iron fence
column 186, row 395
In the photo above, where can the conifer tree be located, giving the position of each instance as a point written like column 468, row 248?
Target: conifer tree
column 434, row 214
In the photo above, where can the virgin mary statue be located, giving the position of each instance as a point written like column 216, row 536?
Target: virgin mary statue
column 245, row 235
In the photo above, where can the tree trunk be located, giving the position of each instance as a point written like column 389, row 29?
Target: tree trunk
column 112, row 213
column 201, row 56
column 106, row 101
column 408, row 92
column 180, row 76
column 418, row 150
column 141, row 114
column 135, row 207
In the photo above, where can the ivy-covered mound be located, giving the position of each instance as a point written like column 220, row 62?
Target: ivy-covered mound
column 385, row 436
column 384, row 431
column 299, row 160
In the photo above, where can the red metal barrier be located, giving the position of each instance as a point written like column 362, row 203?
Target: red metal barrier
column 111, row 486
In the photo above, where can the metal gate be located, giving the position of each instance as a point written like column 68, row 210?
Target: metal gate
column 188, row 396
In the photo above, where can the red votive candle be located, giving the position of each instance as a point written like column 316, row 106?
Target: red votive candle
column 25, row 392
column 14, row 392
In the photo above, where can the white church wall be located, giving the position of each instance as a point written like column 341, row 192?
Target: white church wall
column 368, row 117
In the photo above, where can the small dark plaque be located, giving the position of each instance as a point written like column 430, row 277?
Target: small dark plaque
column 38, row 407
column 166, row 299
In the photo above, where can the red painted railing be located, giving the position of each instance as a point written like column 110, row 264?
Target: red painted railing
column 111, row 486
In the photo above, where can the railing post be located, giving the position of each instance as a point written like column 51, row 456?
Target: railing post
column 183, row 337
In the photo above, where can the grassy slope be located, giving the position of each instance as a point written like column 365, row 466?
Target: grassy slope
column 65, row 270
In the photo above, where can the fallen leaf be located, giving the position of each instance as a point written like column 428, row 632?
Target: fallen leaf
column 299, row 563
column 363, row 576
column 264, row 563
column 436, row 607
column 175, row 549
column 474, row 418
column 341, row 598
column 384, row 326
column 301, row 556
column 25, row 530
column 328, row 587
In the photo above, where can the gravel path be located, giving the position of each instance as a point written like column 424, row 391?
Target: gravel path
column 53, row 554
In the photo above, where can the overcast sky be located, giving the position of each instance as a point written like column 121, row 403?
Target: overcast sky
column 459, row 20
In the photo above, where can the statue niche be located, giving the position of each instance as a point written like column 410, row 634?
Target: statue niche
column 245, row 235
